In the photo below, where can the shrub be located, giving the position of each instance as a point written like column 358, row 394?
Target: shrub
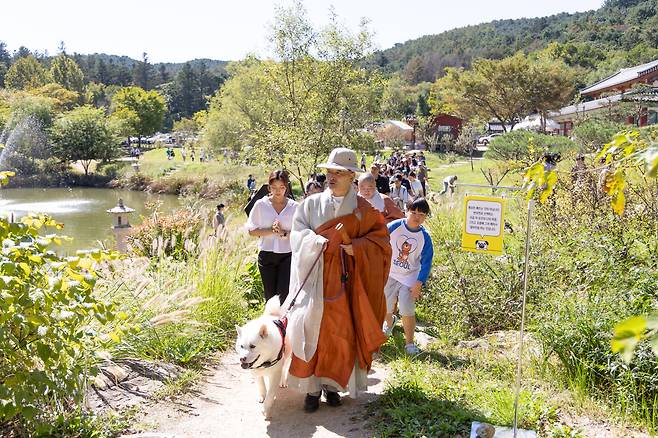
column 46, row 307
column 111, row 169
column 592, row 134
column 527, row 147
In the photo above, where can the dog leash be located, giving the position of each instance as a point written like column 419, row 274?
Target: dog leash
column 301, row 286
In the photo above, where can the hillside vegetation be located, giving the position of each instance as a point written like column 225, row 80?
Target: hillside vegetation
column 620, row 33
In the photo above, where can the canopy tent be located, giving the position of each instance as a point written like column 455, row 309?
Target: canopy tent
column 533, row 123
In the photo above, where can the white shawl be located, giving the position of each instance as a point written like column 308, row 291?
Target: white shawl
column 304, row 319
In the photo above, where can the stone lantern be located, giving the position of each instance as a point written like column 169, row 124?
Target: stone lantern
column 120, row 225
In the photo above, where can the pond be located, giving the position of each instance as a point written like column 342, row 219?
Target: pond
column 81, row 210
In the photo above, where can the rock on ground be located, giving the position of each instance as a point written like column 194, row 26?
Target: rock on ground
column 225, row 404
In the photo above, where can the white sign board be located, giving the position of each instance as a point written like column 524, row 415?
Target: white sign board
column 484, row 218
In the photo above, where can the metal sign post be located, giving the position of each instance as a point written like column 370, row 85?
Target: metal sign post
column 521, row 330
column 519, row 364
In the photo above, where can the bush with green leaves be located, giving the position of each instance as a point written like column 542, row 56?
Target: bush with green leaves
column 594, row 133
column 527, row 147
column 51, row 323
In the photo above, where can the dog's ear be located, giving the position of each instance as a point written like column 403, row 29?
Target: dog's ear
column 239, row 329
column 263, row 331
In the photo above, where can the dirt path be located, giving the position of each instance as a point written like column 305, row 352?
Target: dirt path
column 224, row 404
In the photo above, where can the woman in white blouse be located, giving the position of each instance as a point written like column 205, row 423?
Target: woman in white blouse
column 271, row 220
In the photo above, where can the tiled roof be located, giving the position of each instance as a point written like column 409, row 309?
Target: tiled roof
column 622, row 76
column 587, row 106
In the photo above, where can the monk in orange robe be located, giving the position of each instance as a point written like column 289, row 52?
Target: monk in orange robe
column 336, row 324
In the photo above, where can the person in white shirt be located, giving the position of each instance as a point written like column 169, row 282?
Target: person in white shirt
column 399, row 193
column 271, row 220
column 416, row 187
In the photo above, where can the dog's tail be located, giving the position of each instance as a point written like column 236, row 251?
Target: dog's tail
column 273, row 306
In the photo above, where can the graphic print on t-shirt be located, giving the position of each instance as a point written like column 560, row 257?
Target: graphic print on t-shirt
column 406, row 246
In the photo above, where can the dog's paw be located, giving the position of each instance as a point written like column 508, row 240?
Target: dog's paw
column 261, row 398
column 283, row 385
column 267, row 413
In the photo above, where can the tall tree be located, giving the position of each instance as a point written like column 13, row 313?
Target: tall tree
column 101, row 73
column 22, row 52
column 26, row 73
column 145, row 109
column 66, row 72
column 83, row 135
column 507, row 89
column 142, row 73
column 164, row 75
column 294, row 110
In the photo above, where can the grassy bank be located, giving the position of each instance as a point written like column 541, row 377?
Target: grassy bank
column 588, row 270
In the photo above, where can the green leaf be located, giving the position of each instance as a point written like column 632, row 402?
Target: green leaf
column 627, row 334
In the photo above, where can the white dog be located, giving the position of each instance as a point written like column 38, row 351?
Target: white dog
column 262, row 347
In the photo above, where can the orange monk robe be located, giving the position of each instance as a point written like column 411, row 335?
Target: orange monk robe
column 351, row 326
column 391, row 211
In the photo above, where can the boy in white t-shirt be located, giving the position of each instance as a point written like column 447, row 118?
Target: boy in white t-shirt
column 410, row 269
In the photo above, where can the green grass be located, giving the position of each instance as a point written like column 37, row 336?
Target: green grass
column 179, row 385
column 154, row 163
column 441, row 391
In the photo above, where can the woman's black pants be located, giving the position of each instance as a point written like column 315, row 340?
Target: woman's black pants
column 275, row 272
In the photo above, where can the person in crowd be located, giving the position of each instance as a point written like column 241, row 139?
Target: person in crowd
column 192, row 154
column 410, row 268
column 579, row 169
column 251, row 183
column 334, row 327
column 322, row 179
column 183, row 153
column 405, row 180
column 416, row 187
column 381, row 181
column 219, row 221
column 270, row 219
column 604, row 176
column 422, row 177
column 383, row 203
column 399, row 193
column 312, row 187
column 363, row 161
column 449, row 184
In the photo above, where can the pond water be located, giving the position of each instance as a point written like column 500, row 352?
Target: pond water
column 81, row 210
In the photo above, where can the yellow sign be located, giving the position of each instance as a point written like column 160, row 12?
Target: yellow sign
column 483, row 224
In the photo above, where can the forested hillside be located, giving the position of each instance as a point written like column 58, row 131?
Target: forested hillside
column 620, row 33
column 185, row 86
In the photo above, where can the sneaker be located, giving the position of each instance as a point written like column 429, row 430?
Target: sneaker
column 311, row 403
column 412, row 349
column 388, row 331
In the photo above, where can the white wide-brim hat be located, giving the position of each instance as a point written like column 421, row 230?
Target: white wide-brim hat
column 341, row 159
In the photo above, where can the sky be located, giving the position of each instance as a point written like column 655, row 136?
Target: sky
column 181, row 30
